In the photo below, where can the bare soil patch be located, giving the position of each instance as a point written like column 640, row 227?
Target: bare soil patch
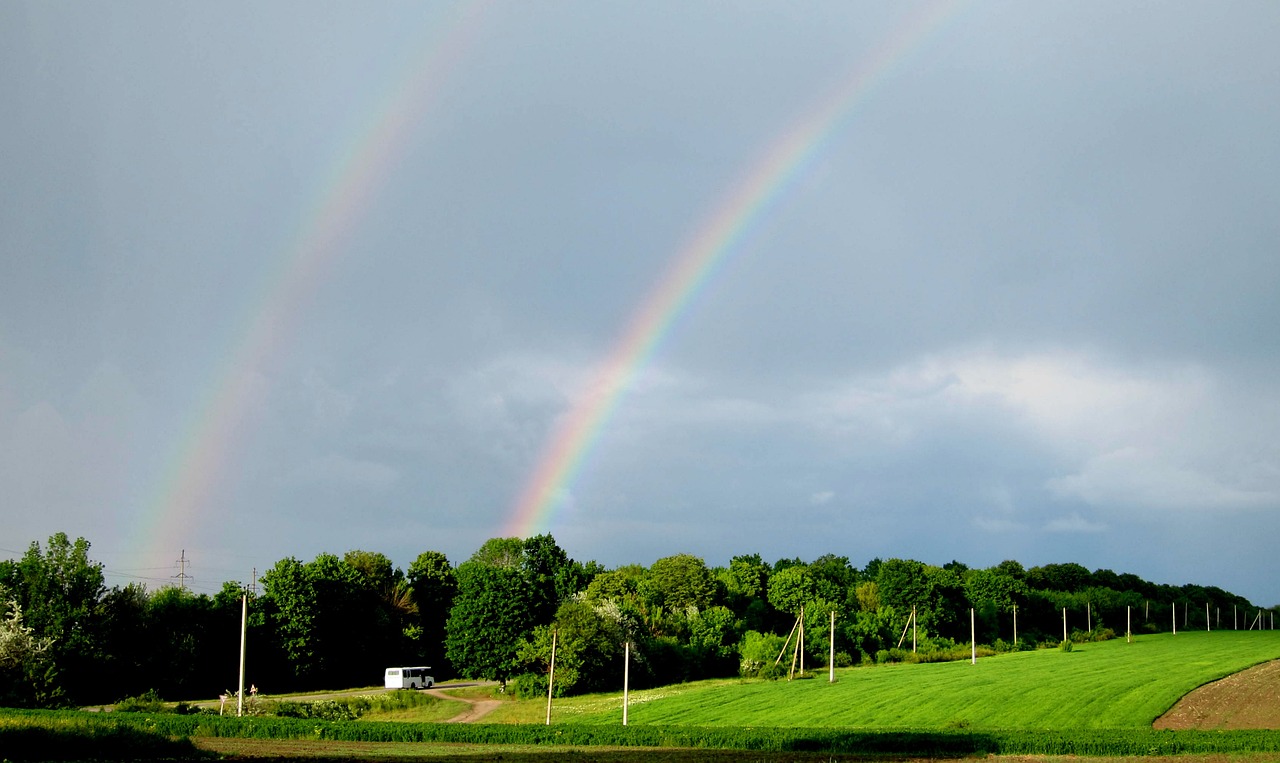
column 1249, row 699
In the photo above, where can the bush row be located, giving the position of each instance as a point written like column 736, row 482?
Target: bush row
column 1111, row 742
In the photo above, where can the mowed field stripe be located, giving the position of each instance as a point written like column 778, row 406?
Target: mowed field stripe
column 1111, row 684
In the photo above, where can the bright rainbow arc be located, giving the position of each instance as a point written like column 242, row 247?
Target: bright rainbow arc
column 575, row 436
column 279, row 301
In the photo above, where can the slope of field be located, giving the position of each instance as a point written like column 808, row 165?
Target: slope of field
column 1105, row 685
column 1249, row 699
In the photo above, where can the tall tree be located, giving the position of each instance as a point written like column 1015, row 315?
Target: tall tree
column 682, row 581
column 549, row 571
column 59, row 589
column 434, row 586
column 491, row 614
column 589, row 643
column 333, row 627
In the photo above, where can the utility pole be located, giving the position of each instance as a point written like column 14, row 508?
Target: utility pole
column 973, row 638
column 182, row 570
column 551, row 674
column 244, row 630
column 626, row 680
column 831, row 661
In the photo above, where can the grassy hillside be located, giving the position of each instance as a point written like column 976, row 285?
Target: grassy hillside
column 1105, row 685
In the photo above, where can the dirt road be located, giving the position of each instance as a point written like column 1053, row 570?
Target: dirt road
column 476, row 708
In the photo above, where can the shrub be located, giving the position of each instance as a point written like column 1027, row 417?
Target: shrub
column 1066, row 646
column 528, row 686
column 147, row 702
column 757, row 652
column 322, row 710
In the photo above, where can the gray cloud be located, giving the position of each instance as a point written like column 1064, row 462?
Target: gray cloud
column 1019, row 306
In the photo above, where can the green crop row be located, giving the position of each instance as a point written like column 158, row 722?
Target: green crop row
column 146, row 736
column 70, row 735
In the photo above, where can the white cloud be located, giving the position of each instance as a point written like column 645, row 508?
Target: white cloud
column 1130, row 476
column 1073, row 523
column 822, row 498
column 1158, row 436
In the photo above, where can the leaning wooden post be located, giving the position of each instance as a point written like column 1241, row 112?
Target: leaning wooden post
column 551, row 674
column 786, row 643
column 913, row 630
column 795, row 654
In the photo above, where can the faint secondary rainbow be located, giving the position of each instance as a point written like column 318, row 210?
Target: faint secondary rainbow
column 173, row 516
column 706, row 252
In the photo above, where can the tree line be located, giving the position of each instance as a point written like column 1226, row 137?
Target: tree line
column 338, row 621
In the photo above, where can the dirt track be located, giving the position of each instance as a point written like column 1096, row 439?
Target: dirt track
column 476, row 708
column 1249, row 699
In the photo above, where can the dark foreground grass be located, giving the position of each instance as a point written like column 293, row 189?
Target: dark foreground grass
column 65, row 736
column 399, row 752
column 146, row 735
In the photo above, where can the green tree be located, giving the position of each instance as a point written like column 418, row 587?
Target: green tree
column 377, row 569
column 747, row 577
column 491, row 614
column 1069, row 577
column 551, row 575
column 24, row 659
column 993, row 593
column 835, row 578
column 791, row 588
column 500, row 552
column 183, row 643
column 126, row 652
column 588, row 641
column 434, row 586
column 332, row 626
column 681, row 581
column 59, row 589
column 935, row 593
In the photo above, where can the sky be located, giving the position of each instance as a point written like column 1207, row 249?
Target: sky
column 941, row 280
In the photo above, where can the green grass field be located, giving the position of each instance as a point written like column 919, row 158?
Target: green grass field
column 1098, row 700
column 1111, row 684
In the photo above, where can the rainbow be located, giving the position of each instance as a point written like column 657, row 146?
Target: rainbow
column 172, row 516
column 732, row 222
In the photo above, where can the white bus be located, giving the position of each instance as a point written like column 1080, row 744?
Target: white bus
column 409, row 678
